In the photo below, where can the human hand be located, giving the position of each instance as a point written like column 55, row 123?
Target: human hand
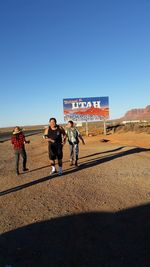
column 51, row 140
column 63, row 143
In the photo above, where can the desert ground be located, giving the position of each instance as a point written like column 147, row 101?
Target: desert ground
column 97, row 214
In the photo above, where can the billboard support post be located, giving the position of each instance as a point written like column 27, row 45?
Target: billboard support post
column 104, row 126
column 87, row 130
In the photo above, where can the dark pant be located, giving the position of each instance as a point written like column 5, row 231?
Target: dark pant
column 55, row 150
column 23, row 154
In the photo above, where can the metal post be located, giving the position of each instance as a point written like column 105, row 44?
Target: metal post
column 104, row 126
column 87, row 130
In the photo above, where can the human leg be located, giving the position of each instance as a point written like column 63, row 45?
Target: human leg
column 71, row 147
column 17, row 157
column 52, row 163
column 52, row 157
column 60, row 156
column 76, row 148
column 24, row 157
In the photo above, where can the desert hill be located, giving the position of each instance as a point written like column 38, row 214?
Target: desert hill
column 138, row 114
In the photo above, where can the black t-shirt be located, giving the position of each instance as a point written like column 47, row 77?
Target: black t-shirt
column 55, row 135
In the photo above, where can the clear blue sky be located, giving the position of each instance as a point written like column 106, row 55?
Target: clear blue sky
column 55, row 49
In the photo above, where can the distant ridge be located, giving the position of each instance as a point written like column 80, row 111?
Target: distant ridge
column 138, row 114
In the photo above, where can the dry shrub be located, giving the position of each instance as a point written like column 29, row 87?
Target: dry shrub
column 132, row 128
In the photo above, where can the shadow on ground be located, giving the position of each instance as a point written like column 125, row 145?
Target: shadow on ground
column 118, row 239
column 84, row 165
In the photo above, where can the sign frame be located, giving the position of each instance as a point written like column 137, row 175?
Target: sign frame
column 86, row 109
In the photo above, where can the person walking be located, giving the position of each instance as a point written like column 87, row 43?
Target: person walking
column 73, row 136
column 56, row 137
column 18, row 141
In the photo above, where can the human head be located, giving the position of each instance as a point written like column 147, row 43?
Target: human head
column 17, row 130
column 70, row 123
column 52, row 122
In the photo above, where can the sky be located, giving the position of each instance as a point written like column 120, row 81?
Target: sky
column 56, row 49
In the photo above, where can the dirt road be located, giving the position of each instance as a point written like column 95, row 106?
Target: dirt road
column 95, row 215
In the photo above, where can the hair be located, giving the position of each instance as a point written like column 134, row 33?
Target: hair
column 53, row 120
column 16, row 136
column 17, row 128
column 71, row 122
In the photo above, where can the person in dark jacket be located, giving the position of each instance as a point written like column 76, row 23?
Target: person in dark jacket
column 18, row 141
column 56, row 137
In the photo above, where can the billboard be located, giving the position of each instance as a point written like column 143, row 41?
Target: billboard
column 86, row 109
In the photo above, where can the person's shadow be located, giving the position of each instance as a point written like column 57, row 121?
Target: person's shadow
column 89, row 163
column 120, row 239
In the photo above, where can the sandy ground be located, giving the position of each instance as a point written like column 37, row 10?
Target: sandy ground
column 95, row 215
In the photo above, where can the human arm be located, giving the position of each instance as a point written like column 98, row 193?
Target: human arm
column 27, row 141
column 64, row 136
column 81, row 138
column 12, row 140
column 24, row 139
column 46, row 138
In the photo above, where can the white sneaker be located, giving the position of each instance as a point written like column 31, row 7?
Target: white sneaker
column 53, row 170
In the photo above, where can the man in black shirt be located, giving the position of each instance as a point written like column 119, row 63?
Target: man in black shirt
column 56, row 137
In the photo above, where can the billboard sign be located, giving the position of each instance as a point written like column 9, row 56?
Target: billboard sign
column 86, row 109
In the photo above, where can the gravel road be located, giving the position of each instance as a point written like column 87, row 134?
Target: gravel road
column 95, row 215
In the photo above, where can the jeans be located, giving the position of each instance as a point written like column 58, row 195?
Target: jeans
column 74, row 151
column 23, row 154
